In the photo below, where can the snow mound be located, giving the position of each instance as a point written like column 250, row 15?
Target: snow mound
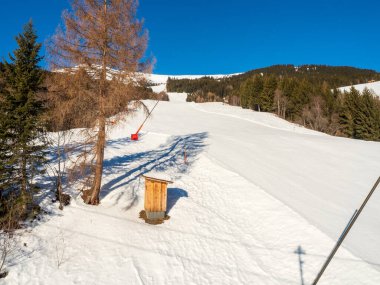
column 373, row 86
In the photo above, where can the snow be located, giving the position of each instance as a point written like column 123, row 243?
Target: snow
column 158, row 175
column 254, row 188
column 177, row 97
column 160, row 80
column 373, row 86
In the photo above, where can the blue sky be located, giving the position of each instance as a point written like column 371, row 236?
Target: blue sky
column 220, row 36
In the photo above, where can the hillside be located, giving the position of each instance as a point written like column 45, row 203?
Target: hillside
column 309, row 95
column 255, row 188
column 335, row 76
column 374, row 87
column 158, row 81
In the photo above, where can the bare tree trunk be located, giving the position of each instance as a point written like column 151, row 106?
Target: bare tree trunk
column 93, row 198
column 59, row 172
column 23, row 176
column 23, row 184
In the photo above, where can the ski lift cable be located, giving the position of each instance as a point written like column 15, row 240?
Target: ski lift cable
column 345, row 232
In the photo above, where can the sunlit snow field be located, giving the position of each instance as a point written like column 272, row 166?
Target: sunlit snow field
column 254, row 188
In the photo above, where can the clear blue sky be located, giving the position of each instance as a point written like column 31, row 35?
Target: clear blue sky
column 220, row 36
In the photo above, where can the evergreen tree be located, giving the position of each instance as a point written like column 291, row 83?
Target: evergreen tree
column 287, row 87
column 365, row 121
column 299, row 98
column 4, row 144
column 246, row 89
column 267, row 95
column 255, row 101
column 348, row 112
column 21, row 128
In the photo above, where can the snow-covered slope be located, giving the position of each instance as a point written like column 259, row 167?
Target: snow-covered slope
column 373, row 86
column 255, row 188
column 160, row 80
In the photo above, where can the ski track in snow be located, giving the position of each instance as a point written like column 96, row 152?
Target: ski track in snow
column 237, row 209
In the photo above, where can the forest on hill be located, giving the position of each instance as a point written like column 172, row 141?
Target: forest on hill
column 306, row 95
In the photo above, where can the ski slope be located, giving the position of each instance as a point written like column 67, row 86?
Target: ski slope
column 373, row 86
column 254, row 189
column 160, row 80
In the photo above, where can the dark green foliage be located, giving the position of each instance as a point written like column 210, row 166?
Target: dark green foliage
column 246, row 91
column 255, row 96
column 307, row 95
column 202, row 85
column 267, row 94
column 21, row 133
column 334, row 76
column 365, row 115
column 299, row 97
column 346, row 114
column 360, row 115
column 5, row 146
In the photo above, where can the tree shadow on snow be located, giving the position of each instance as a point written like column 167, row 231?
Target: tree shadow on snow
column 167, row 157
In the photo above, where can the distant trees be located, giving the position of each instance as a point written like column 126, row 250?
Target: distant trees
column 306, row 95
column 22, row 142
column 100, row 50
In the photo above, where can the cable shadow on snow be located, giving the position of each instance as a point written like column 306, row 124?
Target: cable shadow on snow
column 167, row 157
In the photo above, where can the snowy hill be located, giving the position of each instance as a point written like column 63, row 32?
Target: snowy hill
column 373, row 86
column 254, row 189
column 160, row 80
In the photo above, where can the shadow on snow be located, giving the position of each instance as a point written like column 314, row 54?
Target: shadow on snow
column 169, row 156
column 174, row 194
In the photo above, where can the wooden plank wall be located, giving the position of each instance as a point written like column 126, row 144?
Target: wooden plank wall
column 155, row 196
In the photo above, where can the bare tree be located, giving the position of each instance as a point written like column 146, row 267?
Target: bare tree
column 280, row 103
column 313, row 115
column 101, row 48
column 8, row 242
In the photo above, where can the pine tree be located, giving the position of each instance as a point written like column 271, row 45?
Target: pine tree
column 287, row 87
column 348, row 113
column 21, row 128
column 299, row 98
column 267, row 95
column 255, row 96
column 5, row 150
column 377, row 118
column 245, row 91
column 365, row 124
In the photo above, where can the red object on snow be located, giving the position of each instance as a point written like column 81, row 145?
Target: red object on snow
column 135, row 137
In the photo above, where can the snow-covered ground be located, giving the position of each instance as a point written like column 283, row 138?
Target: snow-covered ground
column 373, row 86
column 255, row 188
column 160, row 80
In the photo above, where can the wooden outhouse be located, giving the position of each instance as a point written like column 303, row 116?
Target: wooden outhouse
column 156, row 196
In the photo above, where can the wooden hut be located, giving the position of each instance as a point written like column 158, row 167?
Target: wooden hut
column 156, row 196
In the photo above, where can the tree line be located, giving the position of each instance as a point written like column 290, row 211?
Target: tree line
column 306, row 95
